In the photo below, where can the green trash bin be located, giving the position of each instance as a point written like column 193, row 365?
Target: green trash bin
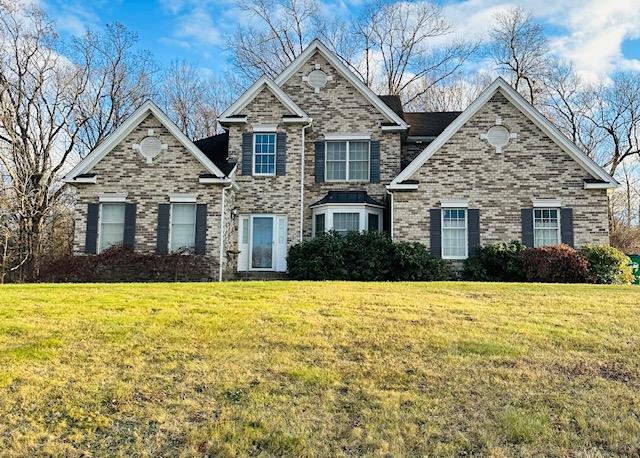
column 635, row 262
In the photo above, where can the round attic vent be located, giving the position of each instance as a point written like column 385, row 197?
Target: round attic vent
column 498, row 136
column 317, row 79
column 150, row 147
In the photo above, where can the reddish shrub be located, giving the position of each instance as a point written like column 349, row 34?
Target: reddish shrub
column 555, row 264
column 123, row 265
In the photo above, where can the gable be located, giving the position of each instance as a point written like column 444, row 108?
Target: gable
column 265, row 108
column 295, row 73
column 263, row 88
column 498, row 91
column 172, row 136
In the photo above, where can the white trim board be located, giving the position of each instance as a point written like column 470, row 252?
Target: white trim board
column 126, row 128
column 529, row 111
column 252, row 93
column 317, row 45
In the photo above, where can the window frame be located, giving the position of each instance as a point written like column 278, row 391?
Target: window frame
column 253, row 155
column 558, row 229
column 363, row 210
column 99, row 248
column 170, row 248
column 347, row 161
column 466, row 233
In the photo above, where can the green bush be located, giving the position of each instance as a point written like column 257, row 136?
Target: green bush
column 368, row 256
column 555, row 264
column 498, row 262
column 607, row 264
column 413, row 262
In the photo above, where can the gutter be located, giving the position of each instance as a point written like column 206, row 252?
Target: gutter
column 302, row 172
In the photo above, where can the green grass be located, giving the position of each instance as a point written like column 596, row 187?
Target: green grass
column 319, row 369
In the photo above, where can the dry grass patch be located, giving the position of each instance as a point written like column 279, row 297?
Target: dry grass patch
column 319, row 369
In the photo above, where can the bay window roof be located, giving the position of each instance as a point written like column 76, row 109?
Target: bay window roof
column 348, row 197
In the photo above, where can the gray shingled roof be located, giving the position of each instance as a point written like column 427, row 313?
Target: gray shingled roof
column 347, row 197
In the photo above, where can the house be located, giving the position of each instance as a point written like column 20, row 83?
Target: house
column 316, row 150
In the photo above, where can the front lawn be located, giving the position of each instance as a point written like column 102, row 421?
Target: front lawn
column 319, row 369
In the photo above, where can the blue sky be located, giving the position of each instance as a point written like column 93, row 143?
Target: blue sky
column 598, row 36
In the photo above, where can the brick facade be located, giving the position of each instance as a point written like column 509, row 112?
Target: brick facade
column 466, row 167
column 175, row 170
column 532, row 166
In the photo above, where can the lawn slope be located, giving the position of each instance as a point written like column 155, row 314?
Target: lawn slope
column 319, row 369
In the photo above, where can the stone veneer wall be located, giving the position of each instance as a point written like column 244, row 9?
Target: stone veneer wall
column 340, row 108
column 175, row 170
column 500, row 185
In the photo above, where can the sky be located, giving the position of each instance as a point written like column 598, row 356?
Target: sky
column 598, row 36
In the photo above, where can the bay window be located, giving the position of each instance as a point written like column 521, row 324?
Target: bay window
column 346, row 218
column 347, row 160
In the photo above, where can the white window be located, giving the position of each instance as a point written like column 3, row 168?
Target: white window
column 454, row 233
column 264, row 154
column 183, row 227
column 346, row 222
column 111, row 225
column 347, row 160
column 546, row 227
column 346, row 218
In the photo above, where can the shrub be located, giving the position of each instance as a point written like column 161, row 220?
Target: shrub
column 120, row 264
column 498, row 262
column 369, row 256
column 413, row 262
column 607, row 264
column 555, row 264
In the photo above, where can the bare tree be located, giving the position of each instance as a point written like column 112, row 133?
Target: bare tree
column 614, row 112
column 193, row 101
column 51, row 106
column 406, row 50
column 282, row 29
column 455, row 94
column 520, row 52
column 119, row 81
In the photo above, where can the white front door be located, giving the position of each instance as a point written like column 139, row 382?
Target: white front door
column 262, row 241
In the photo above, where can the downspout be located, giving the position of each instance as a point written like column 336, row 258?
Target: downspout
column 302, row 171
column 391, row 212
column 224, row 188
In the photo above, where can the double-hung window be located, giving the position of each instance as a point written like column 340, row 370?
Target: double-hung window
column 347, row 160
column 264, row 154
column 454, row 233
column 546, row 227
column 183, row 227
column 346, row 222
column 111, row 225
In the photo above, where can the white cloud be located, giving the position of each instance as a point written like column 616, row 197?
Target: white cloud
column 589, row 33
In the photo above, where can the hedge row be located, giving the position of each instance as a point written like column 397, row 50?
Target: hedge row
column 368, row 256
column 513, row 261
column 124, row 265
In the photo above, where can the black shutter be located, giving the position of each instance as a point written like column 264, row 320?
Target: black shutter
column 319, row 161
column 281, row 153
column 473, row 224
column 375, row 162
column 435, row 232
column 566, row 226
column 527, row 226
column 162, row 234
column 91, row 240
column 247, row 152
column 201, row 228
column 129, row 238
